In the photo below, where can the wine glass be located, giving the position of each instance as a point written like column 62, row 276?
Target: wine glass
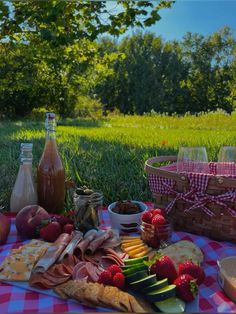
column 226, row 161
column 192, row 159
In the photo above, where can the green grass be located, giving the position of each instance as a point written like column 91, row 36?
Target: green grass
column 109, row 155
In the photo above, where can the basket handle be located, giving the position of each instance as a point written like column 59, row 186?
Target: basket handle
column 150, row 169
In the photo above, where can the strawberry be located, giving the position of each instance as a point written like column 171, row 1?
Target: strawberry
column 68, row 228
column 158, row 221
column 114, row 269
column 147, row 217
column 118, row 280
column 165, row 268
column 51, row 231
column 193, row 270
column 153, row 269
column 105, row 278
column 186, row 287
column 158, row 211
column 63, row 220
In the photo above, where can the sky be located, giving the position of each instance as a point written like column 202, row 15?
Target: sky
column 196, row 16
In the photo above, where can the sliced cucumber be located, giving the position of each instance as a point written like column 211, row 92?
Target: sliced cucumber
column 171, row 305
column 132, row 261
column 133, row 270
column 136, row 276
column 156, row 286
column 162, row 294
column 132, row 265
column 144, row 282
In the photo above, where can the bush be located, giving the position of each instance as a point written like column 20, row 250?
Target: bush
column 87, row 107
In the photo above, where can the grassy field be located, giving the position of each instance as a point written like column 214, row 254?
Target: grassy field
column 109, row 155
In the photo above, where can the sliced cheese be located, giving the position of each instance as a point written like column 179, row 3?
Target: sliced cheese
column 129, row 244
column 129, row 238
column 145, row 252
column 134, row 247
column 138, row 250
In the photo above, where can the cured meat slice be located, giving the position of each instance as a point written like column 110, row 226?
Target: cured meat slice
column 69, row 250
column 111, row 243
column 101, row 238
column 91, row 269
column 106, row 261
column 88, row 258
column 55, row 275
column 88, row 237
column 113, row 253
column 81, row 273
column 52, row 253
column 71, row 260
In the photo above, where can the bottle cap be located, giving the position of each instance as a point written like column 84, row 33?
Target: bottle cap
column 50, row 115
column 50, row 122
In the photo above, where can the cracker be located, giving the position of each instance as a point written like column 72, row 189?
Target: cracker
column 139, row 306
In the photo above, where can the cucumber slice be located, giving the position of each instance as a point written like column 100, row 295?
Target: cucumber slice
column 158, row 285
column 136, row 276
column 132, row 261
column 133, row 270
column 162, row 294
column 131, row 266
column 171, row 305
column 144, row 282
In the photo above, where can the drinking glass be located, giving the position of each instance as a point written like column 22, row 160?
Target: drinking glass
column 227, row 161
column 192, row 159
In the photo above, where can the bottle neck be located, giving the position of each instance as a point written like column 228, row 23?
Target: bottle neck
column 50, row 126
column 26, row 157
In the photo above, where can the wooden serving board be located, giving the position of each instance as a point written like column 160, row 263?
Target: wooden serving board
column 192, row 307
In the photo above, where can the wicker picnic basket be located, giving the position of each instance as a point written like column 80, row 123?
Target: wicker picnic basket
column 203, row 204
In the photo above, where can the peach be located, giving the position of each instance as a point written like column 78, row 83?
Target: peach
column 29, row 219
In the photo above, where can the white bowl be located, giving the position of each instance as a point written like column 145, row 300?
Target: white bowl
column 129, row 222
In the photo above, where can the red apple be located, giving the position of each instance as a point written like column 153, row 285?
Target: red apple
column 4, row 228
column 29, row 219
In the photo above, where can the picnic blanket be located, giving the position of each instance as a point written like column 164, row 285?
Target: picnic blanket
column 211, row 297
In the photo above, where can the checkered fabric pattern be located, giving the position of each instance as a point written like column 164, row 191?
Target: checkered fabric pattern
column 212, row 299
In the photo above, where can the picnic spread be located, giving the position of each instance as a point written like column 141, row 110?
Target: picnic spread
column 175, row 255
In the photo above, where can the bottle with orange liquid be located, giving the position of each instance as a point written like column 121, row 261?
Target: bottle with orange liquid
column 50, row 173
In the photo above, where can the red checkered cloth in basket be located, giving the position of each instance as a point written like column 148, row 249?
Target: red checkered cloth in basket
column 212, row 299
column 196, row 196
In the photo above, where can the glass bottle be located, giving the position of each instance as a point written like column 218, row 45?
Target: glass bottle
column 50, row 173
column 24, row 192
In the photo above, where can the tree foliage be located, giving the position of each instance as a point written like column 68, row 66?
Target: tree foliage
column 194, row 75
column 52, row 52
column 48, row 55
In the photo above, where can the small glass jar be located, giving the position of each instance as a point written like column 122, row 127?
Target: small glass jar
column 87, row 207
column 156, row 237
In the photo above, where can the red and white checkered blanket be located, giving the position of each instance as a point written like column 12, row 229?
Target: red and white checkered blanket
column 212, row 299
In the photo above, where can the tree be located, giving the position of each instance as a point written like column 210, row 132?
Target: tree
column 56, row 39
column 210, row 64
